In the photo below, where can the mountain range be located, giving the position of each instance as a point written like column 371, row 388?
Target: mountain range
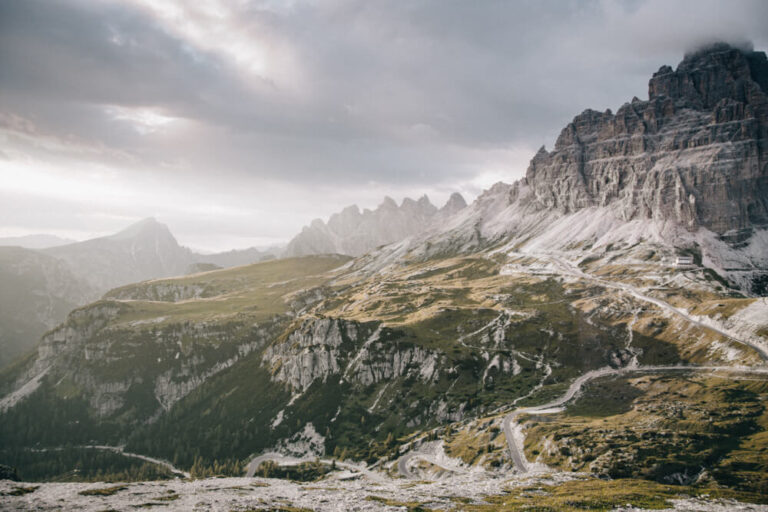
column 354, row 233
column 428, row 345
column 35, row 241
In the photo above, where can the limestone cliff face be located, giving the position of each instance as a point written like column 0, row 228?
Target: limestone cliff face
column 696, row 152
column 361, row 353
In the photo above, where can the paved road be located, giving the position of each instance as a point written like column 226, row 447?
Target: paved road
column 566, row 267
column 160, row 462
column 571, row 269
column 516, row 451
column 428, row 456
column 402, row 464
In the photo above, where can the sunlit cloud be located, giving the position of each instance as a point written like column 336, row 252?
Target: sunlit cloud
column 218, row 26
column 144, row 120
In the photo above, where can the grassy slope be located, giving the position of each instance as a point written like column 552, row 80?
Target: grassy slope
column 436, row 305
column 658, row 426
column 257, row 292
column 604, row 495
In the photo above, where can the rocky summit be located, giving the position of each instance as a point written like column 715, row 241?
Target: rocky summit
column 686, row 169
column 696, row 152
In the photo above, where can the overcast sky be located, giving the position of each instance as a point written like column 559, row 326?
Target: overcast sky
column 237, row 122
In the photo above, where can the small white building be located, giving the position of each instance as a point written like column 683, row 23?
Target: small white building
column 684, row 261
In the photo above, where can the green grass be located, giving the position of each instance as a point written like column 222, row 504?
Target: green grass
column 256, row 292
column 604, row 397
column 657, row 426
column 171, row 496
column 410, row 506
column 602, row 495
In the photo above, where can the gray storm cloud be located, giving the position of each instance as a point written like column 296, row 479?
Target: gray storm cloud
column 240, row 121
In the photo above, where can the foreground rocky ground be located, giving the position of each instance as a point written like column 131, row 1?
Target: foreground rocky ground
column 358, row 491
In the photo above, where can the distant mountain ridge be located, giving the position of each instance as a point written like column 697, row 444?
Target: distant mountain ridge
column 38, row 288
column 38, row 241
column 144, row 250
column 237, row 257
column 37, row 291
column 352, row 232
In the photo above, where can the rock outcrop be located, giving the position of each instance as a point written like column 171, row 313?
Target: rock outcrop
column 353, row 232
column 696, row 152
column 361, row 353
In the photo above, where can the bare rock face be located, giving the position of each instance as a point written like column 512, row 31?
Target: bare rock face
column 362, row 353
column 696, row 152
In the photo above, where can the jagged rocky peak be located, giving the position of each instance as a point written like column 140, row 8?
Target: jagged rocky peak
column 423, row 206
column 712, row 74
column 454, row 204
column 694, row 152
column 388, row 203
column 353, row 232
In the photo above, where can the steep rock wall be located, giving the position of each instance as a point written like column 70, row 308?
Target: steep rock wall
column 695, row 152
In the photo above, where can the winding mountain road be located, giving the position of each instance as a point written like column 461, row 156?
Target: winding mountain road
column 509, row 424
column 571, row 269
column 402, row 464
column 568, row 268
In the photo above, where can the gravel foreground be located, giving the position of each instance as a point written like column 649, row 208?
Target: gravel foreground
column 344, row 491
